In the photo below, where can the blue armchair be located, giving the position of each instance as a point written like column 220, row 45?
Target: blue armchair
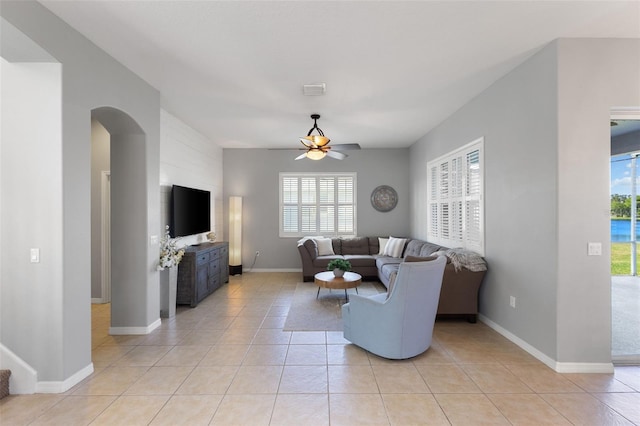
column 397, row 325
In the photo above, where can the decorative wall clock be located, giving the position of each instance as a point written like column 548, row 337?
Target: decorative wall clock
column 384, row 198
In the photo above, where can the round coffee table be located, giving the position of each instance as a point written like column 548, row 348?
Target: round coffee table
column 330, row 281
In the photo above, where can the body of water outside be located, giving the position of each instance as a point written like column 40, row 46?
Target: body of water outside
column 621, row 230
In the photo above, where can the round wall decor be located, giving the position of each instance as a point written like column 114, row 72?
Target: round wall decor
column 384, row 198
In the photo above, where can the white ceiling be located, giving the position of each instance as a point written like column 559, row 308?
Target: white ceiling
column 234, row 70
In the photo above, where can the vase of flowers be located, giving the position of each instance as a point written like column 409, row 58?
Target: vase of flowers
column 170, row 254
column 339, row 267
column 170, row 257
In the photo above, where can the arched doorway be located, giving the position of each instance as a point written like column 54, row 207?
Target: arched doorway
column 133, row 303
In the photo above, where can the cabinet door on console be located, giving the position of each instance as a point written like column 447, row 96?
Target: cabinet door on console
column 214, row 274
column 204, row 268
column 202, row 284
column 224, row 264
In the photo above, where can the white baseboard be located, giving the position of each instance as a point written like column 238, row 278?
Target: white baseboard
column 97, row 300
column 560, row 367
column 23, row 377
column 118, row 331
column 584, row 367
column 65, row 385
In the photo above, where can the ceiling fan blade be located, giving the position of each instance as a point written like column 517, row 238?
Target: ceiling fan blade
column 301, row 156
column 346, row 146
column 335, row 154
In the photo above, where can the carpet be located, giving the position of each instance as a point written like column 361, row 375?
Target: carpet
column 324, row 313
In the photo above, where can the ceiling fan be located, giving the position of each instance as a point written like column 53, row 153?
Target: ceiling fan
column 317, row 146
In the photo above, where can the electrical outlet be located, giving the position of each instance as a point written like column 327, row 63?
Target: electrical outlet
column 257, row 253
column 512, row 301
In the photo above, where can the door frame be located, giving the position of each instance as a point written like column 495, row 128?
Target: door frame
column 106, row 235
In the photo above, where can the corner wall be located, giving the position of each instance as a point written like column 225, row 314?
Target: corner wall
column 594, row 76
column 517, row 117
column 547, row 148
column 56, row 341
column 31, row 193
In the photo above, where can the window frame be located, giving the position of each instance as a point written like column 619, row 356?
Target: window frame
column 455, row 198
column 320, row 207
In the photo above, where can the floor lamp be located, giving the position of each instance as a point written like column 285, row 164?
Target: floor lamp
column 235, row 235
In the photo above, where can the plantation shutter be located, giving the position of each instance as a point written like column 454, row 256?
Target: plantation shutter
column 317, row 204
column 455, row 209
column 433, row 228
column 290, row 208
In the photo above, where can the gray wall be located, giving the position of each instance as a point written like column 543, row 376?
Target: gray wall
column 253, row 174
column 546, row 130
column 59, row 343
column 517, row 118
column 100, row 155
column 593, row 77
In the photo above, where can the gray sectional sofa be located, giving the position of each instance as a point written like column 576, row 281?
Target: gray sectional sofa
column 460, row 285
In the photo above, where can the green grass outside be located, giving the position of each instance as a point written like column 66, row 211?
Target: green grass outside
column 621, row 259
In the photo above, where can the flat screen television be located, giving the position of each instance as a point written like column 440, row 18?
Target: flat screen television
column 190, row 211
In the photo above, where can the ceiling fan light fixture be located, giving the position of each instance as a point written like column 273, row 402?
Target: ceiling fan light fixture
column 316, row 154
column 316, row 140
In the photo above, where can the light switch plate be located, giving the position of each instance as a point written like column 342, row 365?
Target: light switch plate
column 594, row 249
column 35, row 255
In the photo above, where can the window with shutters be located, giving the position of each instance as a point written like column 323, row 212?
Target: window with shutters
column 317, row 204
column 455, row 206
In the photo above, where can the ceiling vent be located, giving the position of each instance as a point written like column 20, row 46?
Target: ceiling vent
column 316, row 89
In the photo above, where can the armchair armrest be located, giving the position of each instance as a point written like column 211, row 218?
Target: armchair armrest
column 366, row 317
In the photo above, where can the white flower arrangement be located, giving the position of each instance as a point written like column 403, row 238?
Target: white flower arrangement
column 170, row 254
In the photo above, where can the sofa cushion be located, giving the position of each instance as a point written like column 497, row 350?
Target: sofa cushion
column 337, row 245
column 359, row 245
column 428, row 249
column 325, row 248
column 413, row 248
column 395, row 247
column 323, row 261
column 374, row 245
column 386, row 260
column 388, row 270
column 359, row 260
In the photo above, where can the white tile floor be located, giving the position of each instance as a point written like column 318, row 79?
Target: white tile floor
column 228, row 362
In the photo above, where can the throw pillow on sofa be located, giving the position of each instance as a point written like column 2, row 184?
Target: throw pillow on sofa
column 395, row 247
column 325, row 248
column 382, row 242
